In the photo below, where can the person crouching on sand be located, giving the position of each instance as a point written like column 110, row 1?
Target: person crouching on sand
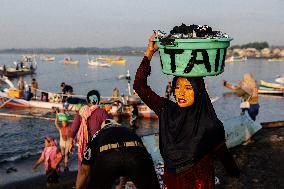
column 51, row 157
column 115, row 151
column 64, row 131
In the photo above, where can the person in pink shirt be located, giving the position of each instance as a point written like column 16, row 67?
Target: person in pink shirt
column 51, row 157
column 64, row 130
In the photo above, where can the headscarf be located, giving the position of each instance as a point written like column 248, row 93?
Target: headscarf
column 249, row 85
column 93, row 97
column 188, row 134
column 83, row 133
column 50, row 152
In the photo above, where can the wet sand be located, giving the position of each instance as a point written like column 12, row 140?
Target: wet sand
column 261, row 164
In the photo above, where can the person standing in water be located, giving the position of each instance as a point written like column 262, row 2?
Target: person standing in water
column 64, row 131
column 248, row 90
column 51, row 157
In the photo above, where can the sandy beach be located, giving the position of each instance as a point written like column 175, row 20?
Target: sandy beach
column 260, row 163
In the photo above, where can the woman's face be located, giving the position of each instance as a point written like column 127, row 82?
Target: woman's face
column 47, row 143
column 184, row 92
column 64, row 123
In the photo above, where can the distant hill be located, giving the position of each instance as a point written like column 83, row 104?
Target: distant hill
column 256, row 45
column 79, row 50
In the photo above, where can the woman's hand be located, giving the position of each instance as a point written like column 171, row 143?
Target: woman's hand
column 70, row 144
column 152, row 47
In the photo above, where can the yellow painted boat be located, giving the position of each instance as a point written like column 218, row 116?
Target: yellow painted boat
column 107, row 59
column 118, row 61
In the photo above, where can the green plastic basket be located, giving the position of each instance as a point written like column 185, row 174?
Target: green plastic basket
column 193, row 57
column 64, row 117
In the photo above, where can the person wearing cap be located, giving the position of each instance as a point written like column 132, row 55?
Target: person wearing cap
column 64, row 131
column 116, row 151
column 86, row 123
column 51, row 157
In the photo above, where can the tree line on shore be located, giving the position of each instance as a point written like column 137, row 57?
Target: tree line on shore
column 256, row 50
column 78, row 50
column 253, row 49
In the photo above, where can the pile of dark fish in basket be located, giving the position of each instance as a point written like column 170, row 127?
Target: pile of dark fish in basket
column 191, row 32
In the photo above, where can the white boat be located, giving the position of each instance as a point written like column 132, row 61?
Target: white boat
column 270, row 91
column 69, row 60
column 124, row 76
column 239, row 129
column 276, row 60
column 271, row 85
column 95, row 62
column 235, row 59
column 48, row 58
column 8, row 82
column 280, row 80
column 53, row 101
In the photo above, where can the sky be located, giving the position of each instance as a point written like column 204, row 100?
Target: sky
column 117, row 23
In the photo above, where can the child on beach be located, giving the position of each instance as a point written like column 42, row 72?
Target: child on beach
column 51, row 157
column 64, row 130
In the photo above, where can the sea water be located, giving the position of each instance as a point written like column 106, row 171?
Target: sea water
column 22, row 139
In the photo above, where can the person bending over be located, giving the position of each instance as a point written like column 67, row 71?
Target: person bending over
column 116, row 151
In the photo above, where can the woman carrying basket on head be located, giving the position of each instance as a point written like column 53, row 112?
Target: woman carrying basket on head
column 190, row 133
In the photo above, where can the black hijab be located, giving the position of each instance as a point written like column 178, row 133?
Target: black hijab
column 188, row 134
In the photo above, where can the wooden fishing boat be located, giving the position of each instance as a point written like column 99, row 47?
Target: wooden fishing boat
column 70, row 61
column 280, row 80
column 261, row 90
column 276, row 60
column 126, row 110
column 111, row 60
column 271, row 85
column 94, row 62
column 26, row 66
column 268, row 90
column 235, row 59
column 272, row 124
column 48, row 58
column 107, row 59
column 114, row 109
column 22, row 103
column 12, row 72
column 143, row 110
column 118, row 61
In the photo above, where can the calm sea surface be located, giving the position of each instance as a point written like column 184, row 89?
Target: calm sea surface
column 21, row 139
